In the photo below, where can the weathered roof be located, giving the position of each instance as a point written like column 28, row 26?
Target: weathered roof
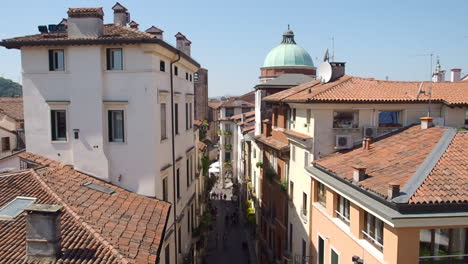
column 368, row 90
column 277, row 140
column 246, row 114
column 97, row 227
column 285, row 81
column 393, row 159
column 234, row 102
column 448, row 180
column 12, row 107
column 296, row 134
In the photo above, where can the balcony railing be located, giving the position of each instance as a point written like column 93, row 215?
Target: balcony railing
column 342, row 217
column 373, row 241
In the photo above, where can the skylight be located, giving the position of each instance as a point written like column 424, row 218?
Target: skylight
column 98, row 187
column 15, row 207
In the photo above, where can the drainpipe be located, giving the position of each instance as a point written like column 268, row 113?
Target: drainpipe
column 173, row 156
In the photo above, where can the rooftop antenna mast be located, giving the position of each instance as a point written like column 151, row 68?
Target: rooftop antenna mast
column 333, row 49
column 429, row 107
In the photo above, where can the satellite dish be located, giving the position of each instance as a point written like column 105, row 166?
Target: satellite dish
column 325, row 72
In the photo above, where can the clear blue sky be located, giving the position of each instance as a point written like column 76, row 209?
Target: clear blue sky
column 231, row 38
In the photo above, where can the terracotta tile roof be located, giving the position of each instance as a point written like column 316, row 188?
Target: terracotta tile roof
column 214, row 105
column 86, row 10
column 277, row 140
column 248, row 128
column 198, row 122
column 234, row 102
column 357, row 89
column 296, row 134
column 12, row 107
column 394, row 158
column 247, row 114
column 97, row 227
column 448, row 180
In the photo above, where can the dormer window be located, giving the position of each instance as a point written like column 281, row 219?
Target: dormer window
column 114, row 59
column 56, row 60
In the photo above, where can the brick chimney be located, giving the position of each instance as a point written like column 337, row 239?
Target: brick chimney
column 426, row 122
column 266, row 128
column 121, row 15
column 155, row 31
column 85, row 22
column 455, row 75
column 366, row 143
column 43, row 232
column 133, row 24
column 393, row 190
column 359, row 173
column 183, row 44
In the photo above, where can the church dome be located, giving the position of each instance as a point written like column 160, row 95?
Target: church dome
column 288, row 53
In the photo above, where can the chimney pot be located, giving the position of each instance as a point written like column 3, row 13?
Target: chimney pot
column 85, row 23
column 43, row 232
column 183, row 44
column 121, row 15
column 133, row 24
column 455, row 75
column 366, row 143
column 393, row 190
column 426, row 122
column 359, row 173
column 266, row 128
column 155, row 31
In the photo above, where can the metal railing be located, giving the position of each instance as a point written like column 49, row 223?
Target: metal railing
column 373, row 241
column 342, row 217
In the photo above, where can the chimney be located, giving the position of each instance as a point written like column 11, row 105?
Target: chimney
column 393, row 190
column 121, row 15
column 266, row 128
column 133, row 24
column 455, row 75
column 338, row 70
column 359, row 173
column 183, row 44
column 366, row 143
column 85, row 22
column 426, row 122
column 155, row 31
column 43, row 232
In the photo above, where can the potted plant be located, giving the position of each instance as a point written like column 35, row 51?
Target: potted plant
column 259, row 164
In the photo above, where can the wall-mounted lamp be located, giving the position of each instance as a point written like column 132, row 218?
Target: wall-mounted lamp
column 76, row 133
column 357, row 260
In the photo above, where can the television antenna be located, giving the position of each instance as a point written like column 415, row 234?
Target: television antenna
column 333, row 48
column 429, row 106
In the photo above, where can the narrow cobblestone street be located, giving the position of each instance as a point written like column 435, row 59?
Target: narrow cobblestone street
column 228, row 234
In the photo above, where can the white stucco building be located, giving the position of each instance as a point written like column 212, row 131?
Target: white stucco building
column 98, row 97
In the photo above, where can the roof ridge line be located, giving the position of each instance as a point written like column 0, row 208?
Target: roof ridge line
column 345, row 79
column 426, row 167
column 78, row 218
column 305, row 87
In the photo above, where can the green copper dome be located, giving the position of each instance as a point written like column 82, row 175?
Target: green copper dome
column 288, row 53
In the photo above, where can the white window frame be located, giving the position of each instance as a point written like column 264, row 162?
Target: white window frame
column 337, row 253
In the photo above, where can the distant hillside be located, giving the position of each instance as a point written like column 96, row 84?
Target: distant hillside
column 9, row 88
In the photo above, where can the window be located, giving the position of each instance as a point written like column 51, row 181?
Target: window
column 167, row 254
column 195, row 76
column 15, row 207
column 304, row 203
column 389, row 119
column 176, row 118
column 59, row 125
column 186, row 76
column 227, row 156
column 176, row 70
column 163, row 121
column 56, row 60
column 290, row 237
column 346, row 119
column 343, row 209
column 306, row 159
column 245, row 110
column 162, row 66
column 188, row 220
column 321, row 194
column 321, row 250
column 255, row 153
column 191, row 219
column 293, row 152
column 116, row 125
column 188, row 172
column 466, row 119
column 373, row 230
column 304, row 252
column 308, row 117
column 178, row 183
column 291, row 190
column 229, row 112
column 191, row 167
column 227, row 127
column 114, row 59
column 447, row 245
column 190, row 77
column 179, row 241
column 186, row 116
column 293, row 114
column 334, row 257
column 165, row 194
column 190, row 115
column 6, row 143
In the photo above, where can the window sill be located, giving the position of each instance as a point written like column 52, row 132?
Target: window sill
column 116, row 71
column 117, row 142
column 59, row 141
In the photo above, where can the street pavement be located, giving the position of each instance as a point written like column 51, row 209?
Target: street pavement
column 228, row 249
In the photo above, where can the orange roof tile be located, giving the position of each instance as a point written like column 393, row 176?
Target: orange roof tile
column 448, row 180
column 247, row 114
column 394, row 158
column 357, row 89
column 12, row 107
column 296, row 134
column 97, row 227
column 277, row 140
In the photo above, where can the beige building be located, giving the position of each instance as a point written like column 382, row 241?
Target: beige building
column 11, row 129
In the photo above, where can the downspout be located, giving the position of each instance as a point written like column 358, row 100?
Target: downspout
column 173, row 156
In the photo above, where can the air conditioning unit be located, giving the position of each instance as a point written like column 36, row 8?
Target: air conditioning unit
column 369, row 131
column 344, row 142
